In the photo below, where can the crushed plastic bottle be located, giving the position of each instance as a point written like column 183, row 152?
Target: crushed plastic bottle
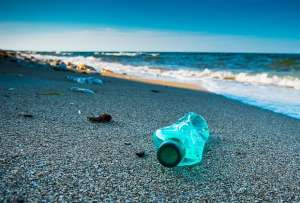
column 85, row 80
column 182, row 143
column 83, row 90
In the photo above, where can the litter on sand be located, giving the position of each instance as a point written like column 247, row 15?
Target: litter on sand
column 181, row 143
column 83, row 90
column 85, row 80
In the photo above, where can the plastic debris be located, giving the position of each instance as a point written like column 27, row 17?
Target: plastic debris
column 83, row 90
column 182, row 143
column 11, row 89
column 103, row 118
column 79, row 112
column 85, row 80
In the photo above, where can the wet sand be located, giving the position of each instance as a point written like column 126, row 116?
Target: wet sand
column 153, row 81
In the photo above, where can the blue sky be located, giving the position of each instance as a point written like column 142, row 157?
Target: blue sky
column 165, row 25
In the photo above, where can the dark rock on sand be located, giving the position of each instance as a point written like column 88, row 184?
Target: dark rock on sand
column 103, row 118
column 155, row 91
column 141, row 154
column 26, row 115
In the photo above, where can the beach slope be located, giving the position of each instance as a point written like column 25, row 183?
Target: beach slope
column 58, row 155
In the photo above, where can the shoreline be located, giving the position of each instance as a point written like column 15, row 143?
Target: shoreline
column 232, row 85
column 83, row 68
column 188, row 86
column 59, row 65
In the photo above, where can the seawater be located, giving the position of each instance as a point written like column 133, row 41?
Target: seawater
column 269, row 81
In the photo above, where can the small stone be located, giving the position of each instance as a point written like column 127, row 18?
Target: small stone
column 14, row 172
column 155, row 91
column 25, row 115
column 141, row 154
column 34, row 184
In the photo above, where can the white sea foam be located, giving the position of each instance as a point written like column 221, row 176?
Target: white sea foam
column 278, row 99
column 154, row 54
column 121, row 53
column 66, row 53
column 274, row 92
column 127, row 54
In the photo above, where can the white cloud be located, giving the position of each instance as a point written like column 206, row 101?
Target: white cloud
column 58, row 38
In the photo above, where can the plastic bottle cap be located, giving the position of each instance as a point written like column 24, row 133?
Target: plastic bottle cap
column 170, row 153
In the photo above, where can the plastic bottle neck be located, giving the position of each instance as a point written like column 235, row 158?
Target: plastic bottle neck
column 170, row 153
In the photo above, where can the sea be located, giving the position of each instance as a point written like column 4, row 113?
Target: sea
column 269, row 81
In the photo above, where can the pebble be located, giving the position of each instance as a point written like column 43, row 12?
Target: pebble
column 141, row 154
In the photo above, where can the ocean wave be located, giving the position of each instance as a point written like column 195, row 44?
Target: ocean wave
column 252, row 78
column 183, row 74
column 130, row 54
column 121, row 53
column 66, row 53
column 154, row 54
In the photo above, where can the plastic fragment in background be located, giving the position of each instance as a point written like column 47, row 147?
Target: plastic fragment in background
column 85, row 80
column 83, row 90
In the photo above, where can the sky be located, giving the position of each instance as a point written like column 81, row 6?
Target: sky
column 271, row 26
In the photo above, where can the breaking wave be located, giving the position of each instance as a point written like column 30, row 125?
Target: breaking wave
column 129, row 54
column 120, row 53
column 184, row 74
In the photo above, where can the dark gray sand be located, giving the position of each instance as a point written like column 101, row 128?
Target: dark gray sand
column 58, row 155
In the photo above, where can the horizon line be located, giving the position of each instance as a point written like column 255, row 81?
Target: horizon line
column 125, row 51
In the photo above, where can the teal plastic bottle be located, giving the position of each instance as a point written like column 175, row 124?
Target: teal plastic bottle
column 182, row 143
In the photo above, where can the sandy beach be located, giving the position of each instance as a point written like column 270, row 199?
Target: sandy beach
column 58, row 155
